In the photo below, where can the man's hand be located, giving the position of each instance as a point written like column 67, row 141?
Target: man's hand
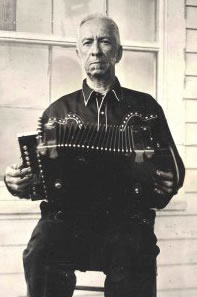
column 18, row 179
column 164, row 182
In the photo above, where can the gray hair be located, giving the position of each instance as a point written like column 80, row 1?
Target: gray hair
column 103, row 17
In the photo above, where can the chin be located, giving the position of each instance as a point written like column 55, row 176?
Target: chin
column 97, row 73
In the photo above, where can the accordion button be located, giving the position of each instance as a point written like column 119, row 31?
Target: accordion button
column 59, row 215
column 137, row 190
column 58, row 185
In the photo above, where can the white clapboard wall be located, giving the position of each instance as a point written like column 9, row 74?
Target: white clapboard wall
column 176, row 228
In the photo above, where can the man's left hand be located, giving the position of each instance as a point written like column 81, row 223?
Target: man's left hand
column 164, row 182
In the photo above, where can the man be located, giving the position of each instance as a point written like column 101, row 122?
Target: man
column 124, row 244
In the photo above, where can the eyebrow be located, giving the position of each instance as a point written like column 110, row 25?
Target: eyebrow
column 99, row 38
column 87, row 38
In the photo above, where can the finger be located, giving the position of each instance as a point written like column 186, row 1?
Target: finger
column 159, row 191
column 166, row 183
column 18, row 180
column 14, row 171
column 168, row 175
column 17, row 165
column 19, row 188
column 26, row 172
column 24, row 179
column 163, row 189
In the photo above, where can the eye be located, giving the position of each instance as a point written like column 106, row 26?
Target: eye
column 87, row 42
column 106, row 41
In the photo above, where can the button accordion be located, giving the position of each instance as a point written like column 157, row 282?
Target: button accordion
column 94, row 165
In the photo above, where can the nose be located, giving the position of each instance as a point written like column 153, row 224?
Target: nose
column 96, row 49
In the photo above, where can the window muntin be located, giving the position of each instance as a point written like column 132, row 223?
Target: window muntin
column 136, row 19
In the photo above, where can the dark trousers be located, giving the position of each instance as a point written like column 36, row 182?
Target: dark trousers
column 125, row 250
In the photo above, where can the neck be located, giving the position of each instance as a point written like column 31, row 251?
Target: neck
column 99, row 84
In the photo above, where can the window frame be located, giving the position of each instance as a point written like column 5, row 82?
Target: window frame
column 55, row 40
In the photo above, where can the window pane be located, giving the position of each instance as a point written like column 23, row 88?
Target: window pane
column 136, row 18
column 33, row 16
column 8, row 15
column 68, row 13
column 66, row 72
column 137, row 71
column 26, row 16
column 24, row 77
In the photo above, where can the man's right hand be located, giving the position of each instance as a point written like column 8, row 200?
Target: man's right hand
column 18, row 179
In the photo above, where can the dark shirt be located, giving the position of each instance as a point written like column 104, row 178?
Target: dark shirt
column 119, row 106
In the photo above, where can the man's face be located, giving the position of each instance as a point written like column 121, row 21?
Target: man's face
column 98, row 49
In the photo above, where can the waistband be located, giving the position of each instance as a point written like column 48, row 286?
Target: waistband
column 145, row 216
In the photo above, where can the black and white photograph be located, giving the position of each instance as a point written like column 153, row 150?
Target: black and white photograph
column 98, row 155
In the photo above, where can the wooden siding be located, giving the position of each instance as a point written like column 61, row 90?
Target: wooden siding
column 190, row 97
column 185, row 247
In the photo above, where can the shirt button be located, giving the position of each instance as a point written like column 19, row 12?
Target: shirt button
column 102, row 112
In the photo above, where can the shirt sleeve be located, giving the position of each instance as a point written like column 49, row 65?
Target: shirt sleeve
column 166, row 138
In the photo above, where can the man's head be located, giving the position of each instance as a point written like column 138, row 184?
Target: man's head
column 99, row 46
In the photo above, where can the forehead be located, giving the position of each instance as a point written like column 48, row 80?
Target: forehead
column 96, row 27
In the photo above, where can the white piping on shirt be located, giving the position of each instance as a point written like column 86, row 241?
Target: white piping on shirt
column 116, row 95
column 175, row 164
column 86, row 101
column 99, row 110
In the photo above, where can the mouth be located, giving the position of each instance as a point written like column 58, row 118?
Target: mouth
column 97, row 62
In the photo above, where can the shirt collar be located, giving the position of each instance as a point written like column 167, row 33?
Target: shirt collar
column 88, row 93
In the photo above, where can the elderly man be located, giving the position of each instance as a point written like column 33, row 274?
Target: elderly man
column 120, row 242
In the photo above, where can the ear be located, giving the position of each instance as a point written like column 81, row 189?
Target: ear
column 119, row 54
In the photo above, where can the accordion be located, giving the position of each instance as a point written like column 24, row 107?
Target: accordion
column 91, row 165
